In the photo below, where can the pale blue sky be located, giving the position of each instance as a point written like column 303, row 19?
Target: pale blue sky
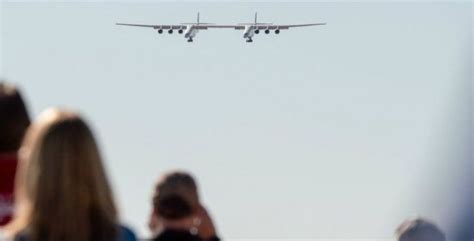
column 333, row 131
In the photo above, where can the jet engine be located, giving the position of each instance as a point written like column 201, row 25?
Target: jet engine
column 160, row 31
column 170, row 31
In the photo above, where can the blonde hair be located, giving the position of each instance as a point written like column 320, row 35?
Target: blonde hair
column 61, row 186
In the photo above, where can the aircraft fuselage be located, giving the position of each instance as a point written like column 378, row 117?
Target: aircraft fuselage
column 248, row 31
column 190, row 32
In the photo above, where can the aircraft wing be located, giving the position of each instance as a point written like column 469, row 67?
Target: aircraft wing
column 275, row 26
column 207, row 26
column 265, row 26
column 177, row 26
column 239, row 27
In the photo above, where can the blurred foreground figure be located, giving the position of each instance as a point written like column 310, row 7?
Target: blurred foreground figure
column 177, row 212
column 61, row 189
column 14, row 121
column 419, row 230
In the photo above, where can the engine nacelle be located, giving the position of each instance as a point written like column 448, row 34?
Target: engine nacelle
column 257, row 31
column 160, row 31
column 170, row 31
column 277, row 31
column 267, row 31
column 180, row 31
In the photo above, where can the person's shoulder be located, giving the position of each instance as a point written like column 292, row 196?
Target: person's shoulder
column 126, row 234
column 176, row 235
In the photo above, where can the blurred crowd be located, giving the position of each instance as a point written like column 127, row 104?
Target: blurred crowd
column 53, row 186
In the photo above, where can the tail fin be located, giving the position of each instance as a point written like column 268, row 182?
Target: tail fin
column 255, row 17
column 198, row 18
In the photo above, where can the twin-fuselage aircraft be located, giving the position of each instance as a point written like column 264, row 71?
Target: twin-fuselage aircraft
column 250, row 29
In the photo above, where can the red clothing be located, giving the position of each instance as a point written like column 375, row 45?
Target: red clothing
column 8, row 164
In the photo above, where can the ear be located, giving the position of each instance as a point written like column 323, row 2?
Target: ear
column 153, row 220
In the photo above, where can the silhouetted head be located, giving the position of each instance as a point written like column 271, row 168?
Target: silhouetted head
column 419, row 230
column 176, row 196
column 61, row 185
column 14, row 119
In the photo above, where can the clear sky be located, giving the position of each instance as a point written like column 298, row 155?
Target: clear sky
column 336, row 131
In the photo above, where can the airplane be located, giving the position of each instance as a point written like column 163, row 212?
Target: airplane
column 254, row 28
column 190, row 29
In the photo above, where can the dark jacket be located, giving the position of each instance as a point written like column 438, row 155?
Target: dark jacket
column 180, row 235
column 8, row 163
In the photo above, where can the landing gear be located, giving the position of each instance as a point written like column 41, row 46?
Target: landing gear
column 190, row 40
column 249, row 40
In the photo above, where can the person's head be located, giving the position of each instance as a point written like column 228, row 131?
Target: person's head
column 176, row 196
column 419, row 230
column 176, row 206
column 175, row 201
column 61, row 182
column 14, row 119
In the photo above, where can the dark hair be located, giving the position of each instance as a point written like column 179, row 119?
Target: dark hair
column 175, row 196
column 419, row 230
column 14, row 119
column 173, row 207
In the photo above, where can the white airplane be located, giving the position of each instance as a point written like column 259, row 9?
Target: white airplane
column 254, row 28
column 190, row 29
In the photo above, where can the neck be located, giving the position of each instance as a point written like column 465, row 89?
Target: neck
column 184, row 224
